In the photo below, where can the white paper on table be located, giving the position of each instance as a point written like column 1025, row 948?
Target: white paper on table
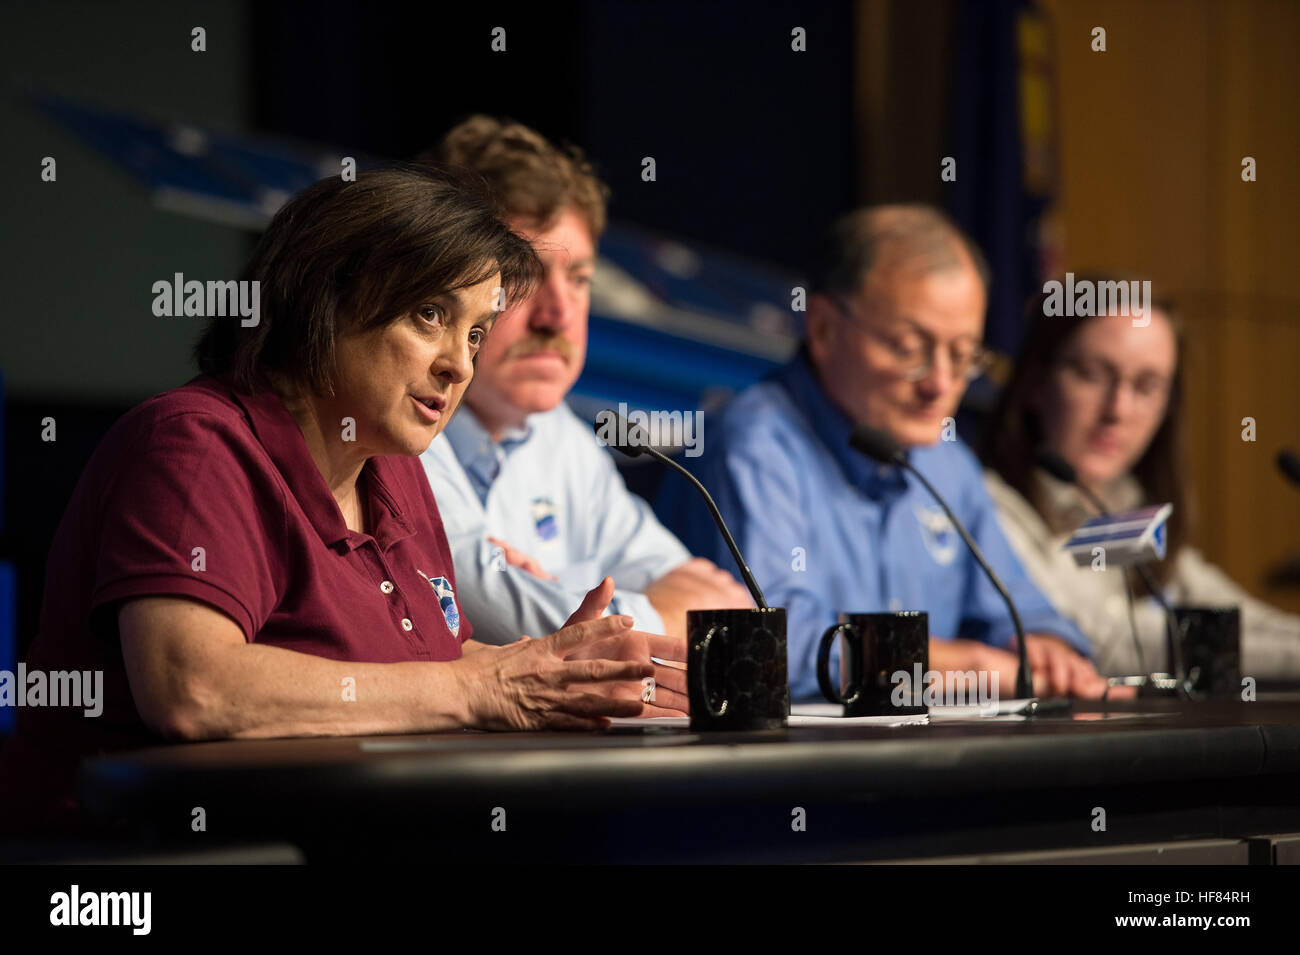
column 683, row 722
column 914, row 719
column 796, row 720
column 1002, row 710
column 817, row 709
column 829, row 714
column 825, row 714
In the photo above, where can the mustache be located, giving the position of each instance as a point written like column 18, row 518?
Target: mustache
column 540, row 342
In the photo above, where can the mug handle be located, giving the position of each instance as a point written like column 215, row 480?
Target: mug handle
column 697, row 677
column 824, row 665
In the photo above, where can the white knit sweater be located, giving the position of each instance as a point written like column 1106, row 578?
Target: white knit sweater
column 1270, row 638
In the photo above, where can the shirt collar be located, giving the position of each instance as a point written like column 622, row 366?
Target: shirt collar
column 388, row 522
column 480, row 456
column 280, row 436
column 833, row 427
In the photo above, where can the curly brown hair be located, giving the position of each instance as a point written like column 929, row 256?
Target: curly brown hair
column 534, row 179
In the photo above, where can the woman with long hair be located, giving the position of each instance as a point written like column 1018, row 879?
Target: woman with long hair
column 1105, row 394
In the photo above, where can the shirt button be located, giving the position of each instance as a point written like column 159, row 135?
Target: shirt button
column 386, row 586
column 406, row 624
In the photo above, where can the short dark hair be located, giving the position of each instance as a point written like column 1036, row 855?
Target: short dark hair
column 534, row 178
column 861, row 240
column 343, row 256
column 1013, row 435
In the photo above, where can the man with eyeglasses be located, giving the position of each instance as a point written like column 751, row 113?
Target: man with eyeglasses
column 894, row 323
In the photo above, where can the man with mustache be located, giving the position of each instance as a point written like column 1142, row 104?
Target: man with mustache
column 535, row 510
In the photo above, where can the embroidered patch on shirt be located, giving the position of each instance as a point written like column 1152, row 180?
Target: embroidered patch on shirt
column 937, row 533
column 543, row 510
column 446, row 600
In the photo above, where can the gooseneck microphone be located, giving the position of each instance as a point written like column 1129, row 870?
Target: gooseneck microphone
column 632, row 441
column 881, row 447
column 1288, row 462
column 1063, row 471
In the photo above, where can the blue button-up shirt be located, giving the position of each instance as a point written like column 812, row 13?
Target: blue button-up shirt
column 552, row 492
column 826, row 530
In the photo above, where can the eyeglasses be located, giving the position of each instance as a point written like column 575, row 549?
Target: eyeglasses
column 1148, row 388
column 915, row 361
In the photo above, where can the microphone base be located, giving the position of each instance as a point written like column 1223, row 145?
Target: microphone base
column 1055, row 707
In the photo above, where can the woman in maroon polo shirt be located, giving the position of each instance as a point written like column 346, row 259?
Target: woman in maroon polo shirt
column 257, row 553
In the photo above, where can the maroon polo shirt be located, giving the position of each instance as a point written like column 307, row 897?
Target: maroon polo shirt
column 205, row 493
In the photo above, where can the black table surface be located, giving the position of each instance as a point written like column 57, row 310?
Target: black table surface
column 1119, row 743
column 1147, row 756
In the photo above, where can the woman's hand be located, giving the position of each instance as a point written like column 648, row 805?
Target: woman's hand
column 668, row 694
column 569, row 680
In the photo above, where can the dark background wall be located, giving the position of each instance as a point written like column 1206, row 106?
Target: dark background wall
column 712, row 91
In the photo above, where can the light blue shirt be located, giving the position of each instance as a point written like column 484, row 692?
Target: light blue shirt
column 826, row 530
column 552, row 492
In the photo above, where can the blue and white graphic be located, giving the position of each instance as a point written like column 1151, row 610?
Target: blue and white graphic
column 938, row 534
column 543, row 510
column 446, row 600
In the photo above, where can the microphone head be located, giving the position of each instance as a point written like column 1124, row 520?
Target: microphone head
column 876, row 444
column 614, row 431
column 1055, row 465
column 1288, row 462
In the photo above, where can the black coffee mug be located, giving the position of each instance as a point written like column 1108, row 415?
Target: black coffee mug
column 1210, row 641
column 736, row 671
column 876, row 646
